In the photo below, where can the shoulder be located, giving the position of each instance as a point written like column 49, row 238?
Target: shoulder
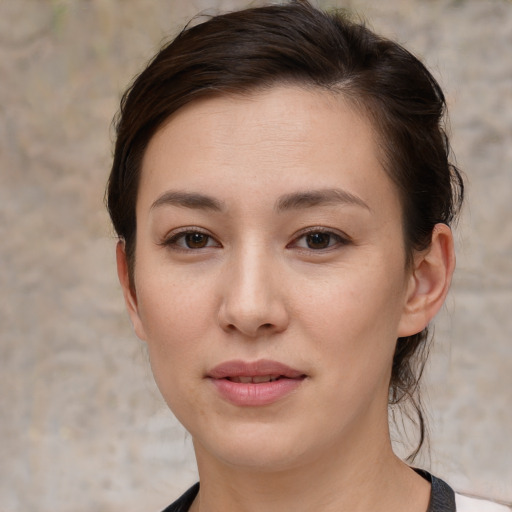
column 471, row 504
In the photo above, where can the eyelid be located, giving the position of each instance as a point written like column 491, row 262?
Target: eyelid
column 170, row 239
column 343, row 238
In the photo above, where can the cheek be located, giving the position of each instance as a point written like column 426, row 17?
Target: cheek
column 354, row 320
column 369, row 297
column 175, row 315
column 171, row 302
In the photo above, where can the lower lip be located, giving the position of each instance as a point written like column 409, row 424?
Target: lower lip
column 263, row 393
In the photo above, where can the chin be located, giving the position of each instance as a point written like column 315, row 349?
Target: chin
column 257, row 447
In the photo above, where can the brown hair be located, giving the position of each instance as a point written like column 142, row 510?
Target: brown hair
column 296, row 43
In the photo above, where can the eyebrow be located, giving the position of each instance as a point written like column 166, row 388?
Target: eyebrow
column 310, row 198
column 188, row 200
column 293, row 201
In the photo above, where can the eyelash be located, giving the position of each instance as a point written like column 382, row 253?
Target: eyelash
column 178, row 240
column 173, row 241
column 335, row 239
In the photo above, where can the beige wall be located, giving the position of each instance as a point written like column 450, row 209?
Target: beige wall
column 82, row 427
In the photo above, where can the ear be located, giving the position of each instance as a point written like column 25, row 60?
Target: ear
column 429, row 282
column 130, row 296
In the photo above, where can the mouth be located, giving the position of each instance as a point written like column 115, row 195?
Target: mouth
column 256, row 383
column 256, row 379
column 254, row 372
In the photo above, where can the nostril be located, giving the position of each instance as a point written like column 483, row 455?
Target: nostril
column 267, row 326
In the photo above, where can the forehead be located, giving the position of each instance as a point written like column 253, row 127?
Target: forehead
column 278, row 139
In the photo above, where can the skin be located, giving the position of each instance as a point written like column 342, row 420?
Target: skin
column 250, row 284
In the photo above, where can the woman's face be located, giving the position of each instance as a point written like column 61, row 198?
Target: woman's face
column 270, row 278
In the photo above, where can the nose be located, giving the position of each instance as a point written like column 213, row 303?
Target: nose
column 253, row 302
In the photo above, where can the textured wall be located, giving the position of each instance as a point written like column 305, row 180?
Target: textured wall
column 82, row 427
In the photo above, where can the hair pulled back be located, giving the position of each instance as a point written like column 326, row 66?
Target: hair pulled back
column 295, row 43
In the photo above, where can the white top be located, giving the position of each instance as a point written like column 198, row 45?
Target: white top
column 470, row 504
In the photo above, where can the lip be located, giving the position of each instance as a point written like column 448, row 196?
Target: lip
column 250, row 393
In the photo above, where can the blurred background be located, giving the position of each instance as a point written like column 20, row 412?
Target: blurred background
column 82, row 426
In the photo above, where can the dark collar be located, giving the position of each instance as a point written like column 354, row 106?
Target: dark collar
column 442, row 497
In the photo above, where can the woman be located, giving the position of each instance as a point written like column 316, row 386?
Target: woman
column 282, row 194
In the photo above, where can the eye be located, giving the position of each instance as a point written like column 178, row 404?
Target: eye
column 191, row 240
column 318, row 240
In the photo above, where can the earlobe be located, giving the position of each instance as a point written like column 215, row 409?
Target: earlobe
column 129, row 293
column 429, row 282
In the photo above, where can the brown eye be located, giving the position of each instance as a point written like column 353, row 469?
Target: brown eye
column 196, row 240
column 318, row 240
column 191, row 240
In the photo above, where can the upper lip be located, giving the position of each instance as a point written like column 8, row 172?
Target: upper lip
column 262, row 367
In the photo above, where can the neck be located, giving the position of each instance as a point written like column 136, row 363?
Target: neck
column 355, row 478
